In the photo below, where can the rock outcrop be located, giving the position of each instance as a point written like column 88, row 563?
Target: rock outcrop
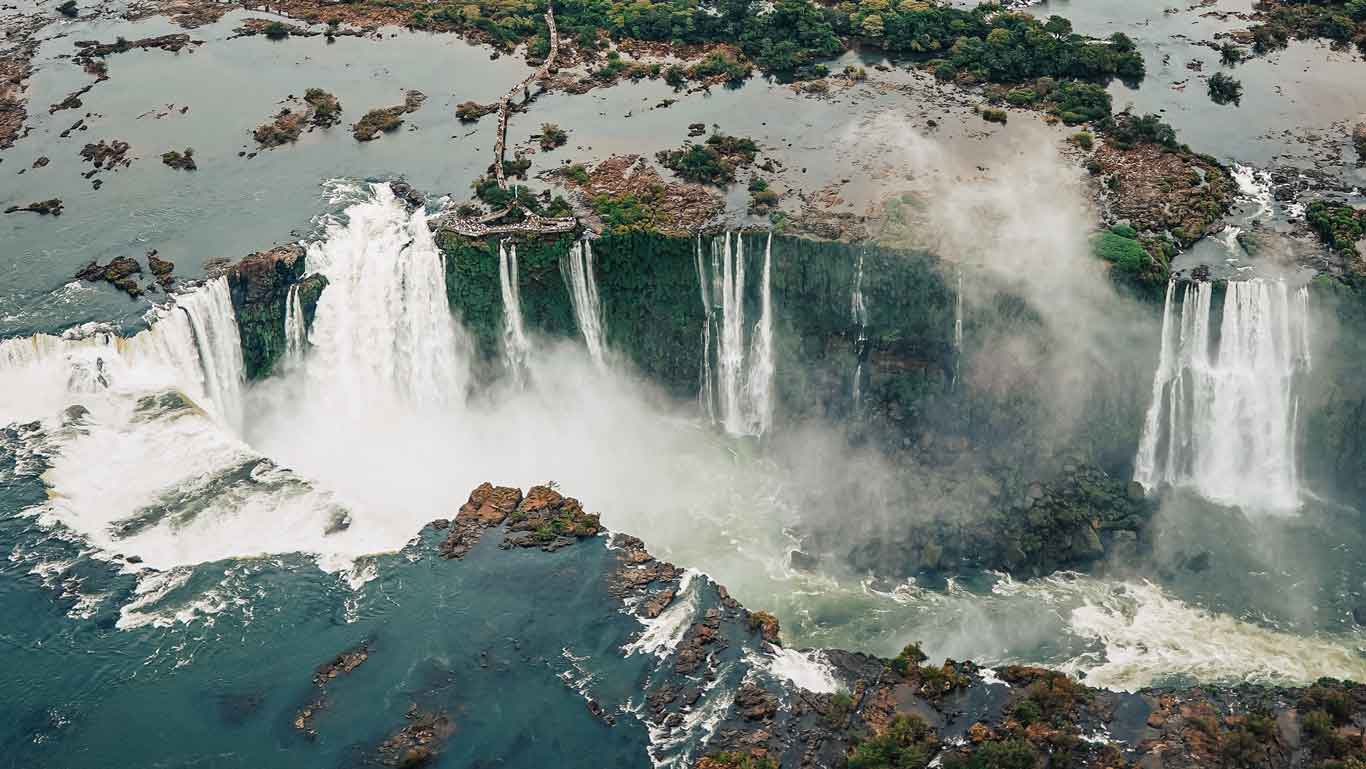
column 260, row 285
column 51, row 206
column 121, row 272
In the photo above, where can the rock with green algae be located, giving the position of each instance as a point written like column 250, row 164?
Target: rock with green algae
column 259, row 285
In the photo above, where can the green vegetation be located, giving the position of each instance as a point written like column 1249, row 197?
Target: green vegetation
column 1341, row 21
column 909, row 659
column 1126, row 131
column 1224, row 89
column 711, row 163
column 907, row 743
column 737, row 760
column 762, row 200
column 1078, row 102
column 284, row 129
column 470, row 111
column 276, row 30
column 552, row 136
column 576, row 173
column 625, row 213
column 377, row 121
column 1338, row 225
column 326, row 108
column 720, row 64
column 997, row 754
column 983, row 44
column 995, row 115
column 1083, row 139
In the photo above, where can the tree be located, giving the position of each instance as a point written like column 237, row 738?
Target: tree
column 872, row 26
column 1224, row 89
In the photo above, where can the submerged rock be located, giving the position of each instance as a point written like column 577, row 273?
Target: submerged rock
column 51, row 206
column 181, row 160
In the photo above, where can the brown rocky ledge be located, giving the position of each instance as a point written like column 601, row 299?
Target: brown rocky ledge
column 543, row 519
column 676, row 208
column 1159, row 189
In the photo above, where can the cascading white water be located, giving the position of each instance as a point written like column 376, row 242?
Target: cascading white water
column 958, row 330
column 1224, row 421
column 858, row 309
column 516, row 348
column 383, row 328
column 296, row 335
column 192, row 345
column 759, row 378
column 583, row 295
column 743, row 386
column 707, row 392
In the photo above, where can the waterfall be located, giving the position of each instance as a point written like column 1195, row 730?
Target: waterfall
column 707, row 392
column 583, row 294
column 383, row 328
column 296, row 335
column 958, row 330
column 742, row 387
column 759, row 379
column 1223, row 415
column 859, row 311
column 515, row 345
column 192, row 345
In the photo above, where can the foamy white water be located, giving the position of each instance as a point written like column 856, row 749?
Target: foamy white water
column 192, row 345
column 1223, row 421
column 809, row 669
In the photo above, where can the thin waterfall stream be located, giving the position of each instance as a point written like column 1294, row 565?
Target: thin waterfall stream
column 516, row 347
column 577, row 267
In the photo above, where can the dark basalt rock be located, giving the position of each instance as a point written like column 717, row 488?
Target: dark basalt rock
column 120, row 272
column 259, row 285
column 340, row 665
column 180, row 160
column 106, row 155
column 161, row 269
column 52, row 206
column 411, row 197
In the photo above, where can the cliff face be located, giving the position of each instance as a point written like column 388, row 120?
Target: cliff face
column 260, row 285
column 926, row 399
